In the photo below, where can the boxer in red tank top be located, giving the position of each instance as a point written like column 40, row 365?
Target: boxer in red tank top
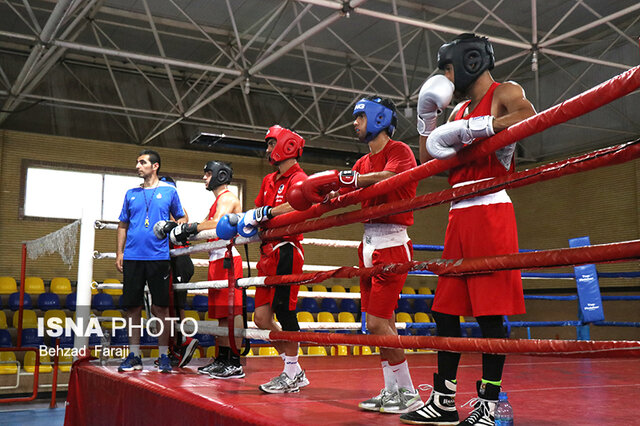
column 480, row 226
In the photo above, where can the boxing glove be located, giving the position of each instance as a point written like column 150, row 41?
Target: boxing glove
column 435, row 95
column 162, row 228
column 181, row 233
column 227, row 226
column 449, row 138
column 248, row 223
column 318, row 185
column 296, row 198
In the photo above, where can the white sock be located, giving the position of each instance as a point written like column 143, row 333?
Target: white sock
column 283, row 356
column 389, row 378
column 291, row 366
column 163, row 350
column 134, row 349
column 402, row 376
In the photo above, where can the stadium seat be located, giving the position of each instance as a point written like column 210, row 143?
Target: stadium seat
column 422, row 317
column 205, row 340
column 8, row 285
column 211, row 352
column 147, row 340
column 66, row 341
column 8, row 364
column 310, row 305
column 329, row 305
column 60, row 286
column 70, row 301
column 421, row 305
column 48, row 301
column 30, row 363
column 316, row 350
column 33, row 285
column 3, row 320
column 110, row 313
column 155, row 353
column 362, row 350
column 346, row 317
column 342, row 350
column 404, row 317
column 200, row 303
column 325, row 317
column 354, row 289
column 303, row 288
column 190, row 313
column 404, row 306
column 319, row 288
column 424, row 290
column 29, row 319
column 64, row 363
column 102, row 302
column 267, row 351
column 112, row 291
column 408, row 290
column 338, row 289
column 305, row 317
column 208, row 318
column 251, row 304
column 14, row 301
column 120, row 337
column 30, row 338
column 5, row 339
column 349, row 305
column 57, row 313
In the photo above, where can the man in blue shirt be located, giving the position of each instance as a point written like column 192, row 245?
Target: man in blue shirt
column 143, row 258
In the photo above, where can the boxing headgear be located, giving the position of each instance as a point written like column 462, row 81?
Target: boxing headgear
column 379, row 117
column 221, row 174
column 470, row 56
column 289, row 144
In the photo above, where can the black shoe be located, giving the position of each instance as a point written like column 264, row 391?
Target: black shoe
column 214, row 366
column 440, row 409
column 228, row 372
column 484, row 405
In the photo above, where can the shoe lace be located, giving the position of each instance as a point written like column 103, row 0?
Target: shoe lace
column 425, row 387
column 480, row 408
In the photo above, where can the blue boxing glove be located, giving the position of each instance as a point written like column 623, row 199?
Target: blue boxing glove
column 227, row 226
column 248, row 224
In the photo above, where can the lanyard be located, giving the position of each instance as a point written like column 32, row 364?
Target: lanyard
column 147, row 204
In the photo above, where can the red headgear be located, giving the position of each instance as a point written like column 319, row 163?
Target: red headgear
column 288, row 144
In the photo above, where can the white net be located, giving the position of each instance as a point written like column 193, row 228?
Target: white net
column 62, row 241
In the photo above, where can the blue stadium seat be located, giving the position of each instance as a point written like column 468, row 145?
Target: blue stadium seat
column 47, row 301
column 120, row 337
column 147, row 340
column 30, row 338
column 251, row 304
column 94, row 339
column 309, row 305
column 349, row 305
column 329, row 305
column 14, row 301
column 120, row 302
column 5, row 339
column 421, row 305
column 70, row 301
column 66, row 341
column 205, row 340
column 102, row 302
column 200, row 303
column 404, row 306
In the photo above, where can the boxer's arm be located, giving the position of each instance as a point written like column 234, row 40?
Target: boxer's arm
column 513, row 106
column 226, row 204
column 375, row 177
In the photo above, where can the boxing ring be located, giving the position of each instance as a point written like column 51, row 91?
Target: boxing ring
column 549, row 381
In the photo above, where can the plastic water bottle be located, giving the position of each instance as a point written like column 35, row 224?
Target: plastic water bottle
column 504, row 412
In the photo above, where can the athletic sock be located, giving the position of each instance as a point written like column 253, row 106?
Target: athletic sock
column 223, row 353
column 389, row 378
column 134, row 349
column 493, row 382
column 402, row 376
column 291, row 366
column 163, row 350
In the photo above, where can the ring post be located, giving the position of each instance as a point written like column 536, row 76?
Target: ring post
column 85, row 277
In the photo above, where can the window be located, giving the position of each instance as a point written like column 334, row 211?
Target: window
column 62, row 194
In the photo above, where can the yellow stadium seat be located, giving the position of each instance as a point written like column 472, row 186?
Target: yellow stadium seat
column 29, row 319
column 208, row 318
column 196, row 354
column 361, row 350
column 303, row 288
column 57, row 313
column 112, row 291
column 253, row 287
column 60, row 286
column 250, row 353
column 346, row 317
column 403, row 317
column 424, row 290
column 155, row 353
column 319, row 288
column 3, row 320
column 211, row 352
column 143, row 314
column 8, row 363
column 8, row 285
column 354, row 289
column 64, row 363
column 316, row 350
column 267, row 351
column 300, row 351
column 325, row 317
column 342, row 350
column 33, row 285
column 110, row 313
column 305, row 317
column 422, row 317
column 190, row 313
column 338, row 289
column 30, row 363
column 408, row 290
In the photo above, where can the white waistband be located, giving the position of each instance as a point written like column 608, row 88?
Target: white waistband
column 219, row 253
column 384, row 235
column 481, row 200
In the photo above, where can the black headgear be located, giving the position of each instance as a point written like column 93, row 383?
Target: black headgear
column 470, row 56
column 221, row 174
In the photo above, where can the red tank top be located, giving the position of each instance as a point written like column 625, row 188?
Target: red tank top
column 212, row 210
column 484, row 167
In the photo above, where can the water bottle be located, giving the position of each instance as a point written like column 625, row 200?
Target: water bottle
column 504, row 413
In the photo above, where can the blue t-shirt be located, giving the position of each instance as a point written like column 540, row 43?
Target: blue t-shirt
column 142, row 244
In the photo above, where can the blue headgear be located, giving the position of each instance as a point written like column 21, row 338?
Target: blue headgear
column 379, row 117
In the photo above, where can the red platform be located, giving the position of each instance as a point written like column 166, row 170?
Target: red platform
column 542, row 390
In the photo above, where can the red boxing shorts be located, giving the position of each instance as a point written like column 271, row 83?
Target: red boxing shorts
column 478, row 231
column 219, row 298
column 379, row 293
column 279, row 258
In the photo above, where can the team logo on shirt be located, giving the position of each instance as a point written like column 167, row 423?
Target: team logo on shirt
column 281, row 188
column 159, row 196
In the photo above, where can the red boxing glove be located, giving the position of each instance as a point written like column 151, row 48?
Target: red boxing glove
column 296, row 198
column 320, row 184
